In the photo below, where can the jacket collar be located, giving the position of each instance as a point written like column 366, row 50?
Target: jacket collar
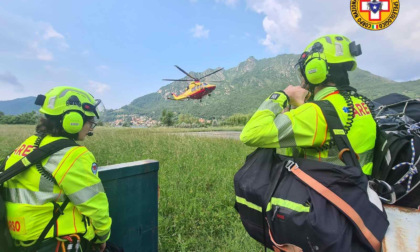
column 324, row 92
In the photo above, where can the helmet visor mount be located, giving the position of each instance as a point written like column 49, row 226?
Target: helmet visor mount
column 299, row 68
column 97, row 108
column 297, row 72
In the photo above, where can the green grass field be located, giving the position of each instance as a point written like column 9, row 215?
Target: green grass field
column 196, row 181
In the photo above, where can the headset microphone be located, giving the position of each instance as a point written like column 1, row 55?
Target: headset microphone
column 90, row 133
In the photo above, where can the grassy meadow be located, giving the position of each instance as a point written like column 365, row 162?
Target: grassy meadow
column 195, row 177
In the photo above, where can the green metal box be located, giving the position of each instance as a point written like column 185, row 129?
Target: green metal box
column 132, row 190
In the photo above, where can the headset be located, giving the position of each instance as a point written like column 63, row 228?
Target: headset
column 72, row 122
column 314, row 66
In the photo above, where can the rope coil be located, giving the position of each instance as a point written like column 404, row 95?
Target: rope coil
column 412, row 169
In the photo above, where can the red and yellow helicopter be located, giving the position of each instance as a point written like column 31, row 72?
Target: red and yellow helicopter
column 196, row 89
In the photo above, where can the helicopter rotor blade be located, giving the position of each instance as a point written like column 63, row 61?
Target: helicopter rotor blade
column 182, row 70
column 175, row 80
column 211, row 73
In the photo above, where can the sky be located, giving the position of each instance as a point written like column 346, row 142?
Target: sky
column 121, row 50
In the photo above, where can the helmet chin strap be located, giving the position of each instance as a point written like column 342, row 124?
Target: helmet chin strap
column 311, row 89
column 90, row 133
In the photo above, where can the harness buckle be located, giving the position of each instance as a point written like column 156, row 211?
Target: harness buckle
column 289, row 165
column 388, row 195
column 57, row 208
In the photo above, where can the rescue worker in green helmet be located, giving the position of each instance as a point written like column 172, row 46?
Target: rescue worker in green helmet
column 302, row 131
column 31, row 196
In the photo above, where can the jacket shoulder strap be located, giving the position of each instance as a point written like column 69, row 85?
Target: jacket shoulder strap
column 347, row 154
column 34, row 157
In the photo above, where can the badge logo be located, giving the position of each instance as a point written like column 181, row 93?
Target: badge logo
column 274, row 96
column 374, row 14
column 94, row 168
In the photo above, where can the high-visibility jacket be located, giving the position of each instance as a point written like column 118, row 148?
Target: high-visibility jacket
column 302, row 129
column 30, row 195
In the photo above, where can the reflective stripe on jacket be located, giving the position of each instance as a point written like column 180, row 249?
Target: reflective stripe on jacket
column 303, row 128
column 29, row 195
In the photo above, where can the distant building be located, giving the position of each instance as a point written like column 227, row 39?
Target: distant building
column 135, row 121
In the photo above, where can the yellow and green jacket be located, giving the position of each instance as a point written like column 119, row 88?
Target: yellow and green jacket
column 299, row 130
column 30, row 195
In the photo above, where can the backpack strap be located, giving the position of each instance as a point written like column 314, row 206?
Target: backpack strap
column 3, row 163
column 346, row 152
column 58, row 210
column 339, row 203
column 37, row 155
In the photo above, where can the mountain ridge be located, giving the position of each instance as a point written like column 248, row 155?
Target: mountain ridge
column 19, row 106
column 243, row 89
column 248, row 84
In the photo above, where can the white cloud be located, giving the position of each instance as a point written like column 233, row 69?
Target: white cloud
column 405, row 33
column 199, row 32
column 24, row 38
column 281, row 21
column 228, row 2
column 345, row 26
column 40, row 53
column 98, row 87
column 51, row 33
column 291, row 25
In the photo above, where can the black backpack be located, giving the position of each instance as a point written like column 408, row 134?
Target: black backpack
column 295, row 204
column 397, row 150
column 36, row 156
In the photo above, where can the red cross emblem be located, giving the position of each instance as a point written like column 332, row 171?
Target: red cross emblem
column 374, row 9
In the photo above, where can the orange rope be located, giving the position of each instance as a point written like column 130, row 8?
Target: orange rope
column 75, row 235
column 57, row 247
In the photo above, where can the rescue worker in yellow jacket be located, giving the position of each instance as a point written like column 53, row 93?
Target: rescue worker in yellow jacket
column 71, row 172
column 303, row 130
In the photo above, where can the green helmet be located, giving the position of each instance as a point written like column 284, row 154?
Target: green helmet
column 315, row 61
column 60, row 100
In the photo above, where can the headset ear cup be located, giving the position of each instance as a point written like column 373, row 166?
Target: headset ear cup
column 72, row 122
column 316, row 70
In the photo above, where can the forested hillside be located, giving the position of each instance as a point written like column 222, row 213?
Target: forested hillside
column 244, row 87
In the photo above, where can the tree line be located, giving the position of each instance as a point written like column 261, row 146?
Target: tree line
column 169, row 118
column 25, row 118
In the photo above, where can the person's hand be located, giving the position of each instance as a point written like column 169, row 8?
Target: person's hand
column 297, row 95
